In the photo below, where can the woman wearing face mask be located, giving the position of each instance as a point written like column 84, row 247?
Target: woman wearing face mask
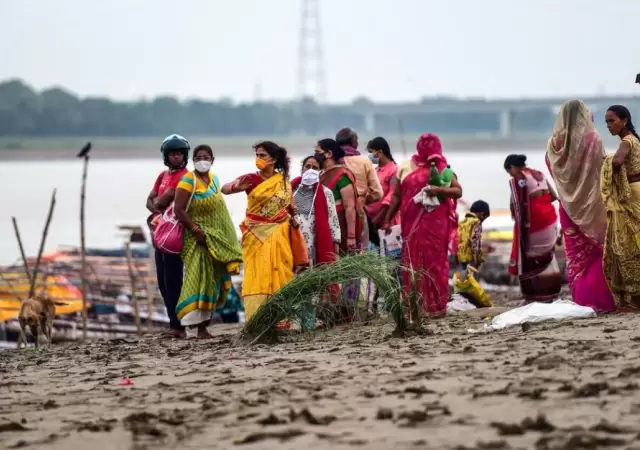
column 342, row 184
column 211, row 253
column 380, row 154
column 316, row 214
column 318, row 219
column 266, row 245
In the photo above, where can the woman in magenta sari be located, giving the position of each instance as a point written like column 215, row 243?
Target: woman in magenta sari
column 425, row 232
column 575, row 155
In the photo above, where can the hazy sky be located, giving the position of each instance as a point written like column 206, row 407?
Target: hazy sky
column 384, row 49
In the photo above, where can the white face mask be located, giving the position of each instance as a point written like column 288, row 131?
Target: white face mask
column 203, row 166
column 310, row 177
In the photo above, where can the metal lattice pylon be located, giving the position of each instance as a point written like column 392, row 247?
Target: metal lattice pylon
column 311, row 75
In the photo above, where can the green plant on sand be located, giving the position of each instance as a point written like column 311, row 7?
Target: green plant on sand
column 294, row 300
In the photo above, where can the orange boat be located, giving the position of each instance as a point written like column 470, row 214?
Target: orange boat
column 14, row 286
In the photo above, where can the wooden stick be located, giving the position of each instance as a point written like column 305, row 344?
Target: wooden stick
column 43, row 287
column 43, row 240
column 22, row 253
column 149, row 285
column 134, row 300
column 83, row 248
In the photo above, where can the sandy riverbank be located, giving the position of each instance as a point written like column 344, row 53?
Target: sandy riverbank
column 557, row 386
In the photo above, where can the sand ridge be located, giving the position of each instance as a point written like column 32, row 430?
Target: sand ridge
column 566, row 385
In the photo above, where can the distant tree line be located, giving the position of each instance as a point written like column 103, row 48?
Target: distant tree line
column 58, row 112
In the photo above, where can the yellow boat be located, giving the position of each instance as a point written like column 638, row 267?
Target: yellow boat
column 14, row 286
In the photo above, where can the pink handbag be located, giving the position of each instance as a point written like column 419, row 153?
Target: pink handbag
column 168, row 235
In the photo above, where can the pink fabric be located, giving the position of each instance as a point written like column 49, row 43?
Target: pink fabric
column 168, row 235
column 350, row 151
column 536, row 181
column 168, row 179
column 429, row 148
column 388, row 177
column 584, row 268
column 425, row 244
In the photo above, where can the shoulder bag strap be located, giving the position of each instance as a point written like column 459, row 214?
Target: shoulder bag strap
column 195, row 180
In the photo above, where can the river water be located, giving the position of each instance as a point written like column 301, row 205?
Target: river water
column 117, row 192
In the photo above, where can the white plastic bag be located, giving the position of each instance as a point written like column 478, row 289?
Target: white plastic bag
column 391, row 244
column 538, row 312
column 459, row 303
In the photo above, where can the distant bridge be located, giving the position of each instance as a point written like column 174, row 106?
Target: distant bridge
column 503, row 110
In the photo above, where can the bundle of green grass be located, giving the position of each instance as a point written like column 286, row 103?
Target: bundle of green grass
column 294, row 300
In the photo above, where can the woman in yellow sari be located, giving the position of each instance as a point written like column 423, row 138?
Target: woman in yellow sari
column 620, row 188
column 266, row 245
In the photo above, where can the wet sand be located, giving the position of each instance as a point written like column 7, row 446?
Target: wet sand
column 558, row 385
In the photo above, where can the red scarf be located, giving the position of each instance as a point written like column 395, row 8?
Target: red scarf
column 324, row 242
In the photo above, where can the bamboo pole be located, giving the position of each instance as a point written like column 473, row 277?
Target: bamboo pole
column 84, row 153
column 43, row 240
column 134, row 300
column 149, row 286
column 21, row 247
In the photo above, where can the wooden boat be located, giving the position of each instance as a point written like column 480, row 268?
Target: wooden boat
column 111, row 285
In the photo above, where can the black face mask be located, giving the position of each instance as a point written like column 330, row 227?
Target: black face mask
column 321, row 158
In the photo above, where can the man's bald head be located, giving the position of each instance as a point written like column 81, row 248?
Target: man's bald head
column 347, row 136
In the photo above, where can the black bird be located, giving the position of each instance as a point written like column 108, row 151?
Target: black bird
column 85, row 150
column 638, row 79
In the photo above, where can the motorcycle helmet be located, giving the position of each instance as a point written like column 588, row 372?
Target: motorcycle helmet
column 173, row 143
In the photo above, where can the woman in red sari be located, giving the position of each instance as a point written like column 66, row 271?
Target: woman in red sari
column 426, row 233
column 535, row 232
column 342, row 183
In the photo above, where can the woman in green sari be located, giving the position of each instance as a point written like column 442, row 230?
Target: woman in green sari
column 211, row 252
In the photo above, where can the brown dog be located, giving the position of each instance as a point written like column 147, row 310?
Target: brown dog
column 37, row 313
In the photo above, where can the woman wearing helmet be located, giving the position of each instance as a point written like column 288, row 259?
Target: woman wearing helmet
column 175, row 153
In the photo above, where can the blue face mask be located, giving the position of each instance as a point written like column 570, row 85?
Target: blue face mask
column 373, row 158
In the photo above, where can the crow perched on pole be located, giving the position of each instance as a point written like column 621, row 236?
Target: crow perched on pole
column 87, row 147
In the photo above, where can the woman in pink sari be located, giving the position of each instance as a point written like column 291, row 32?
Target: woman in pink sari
column 575, row 155
column 426, row 232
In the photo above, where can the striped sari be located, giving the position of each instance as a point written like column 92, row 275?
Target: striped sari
column 535, row 233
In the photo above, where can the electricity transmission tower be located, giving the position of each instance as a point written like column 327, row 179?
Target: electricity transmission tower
column 311, row 76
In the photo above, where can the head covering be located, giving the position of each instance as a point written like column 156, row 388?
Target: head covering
column 429, row 148
column 576, row 155
column 174, row 143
